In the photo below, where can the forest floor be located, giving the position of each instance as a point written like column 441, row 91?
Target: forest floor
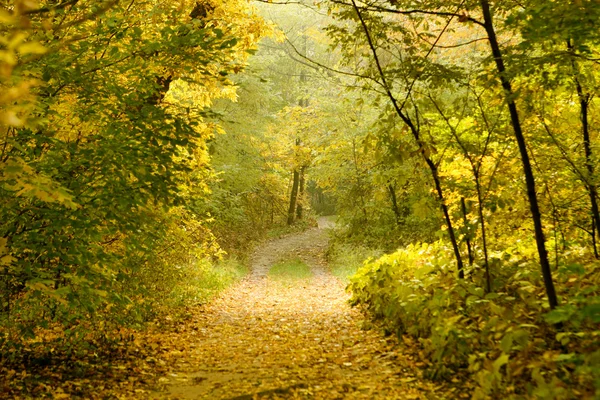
column 265, row 338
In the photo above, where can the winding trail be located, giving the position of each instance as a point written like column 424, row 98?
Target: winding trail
column 270, row 339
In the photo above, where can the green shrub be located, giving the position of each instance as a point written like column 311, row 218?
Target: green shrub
column 344, row 259
column 203, row 280
column 298, row 226
column 505, row 340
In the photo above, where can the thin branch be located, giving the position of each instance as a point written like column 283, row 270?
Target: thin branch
column 384, row 82
column 461, row 17
column 281, row 2
column 43, row 10
column 439, row 37
column 563, row 152
column 337, row 71
column 453, row 46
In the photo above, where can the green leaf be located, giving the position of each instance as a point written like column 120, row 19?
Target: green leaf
column 560, row 314
column 506, row 343
column 500, row 361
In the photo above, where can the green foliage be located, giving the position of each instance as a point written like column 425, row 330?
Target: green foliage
column 290, row 270
column 503, row 338
column 199, row 283
column 104, row 149
column 345, row 259
column 443, row 111
column 299, row 226
column 120, row 190
column 256, row 156
column 369, row 169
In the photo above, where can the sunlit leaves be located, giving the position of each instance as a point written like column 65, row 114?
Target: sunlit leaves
column 103, row 113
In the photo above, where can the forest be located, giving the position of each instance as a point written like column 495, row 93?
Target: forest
column 303, row 199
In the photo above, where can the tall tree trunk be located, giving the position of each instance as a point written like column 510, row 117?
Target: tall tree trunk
column 296, row 199
column 594, row 240
column 299, row 207
column 488, row 277
column 293, row 197
column 527, row 170
column 584, row 103
column 445, row 211
column 359, row 184
column 422, row 150
column 394, row 199
column 463, row 207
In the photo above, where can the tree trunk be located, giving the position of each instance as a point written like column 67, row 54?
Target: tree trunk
column 395, row 208
column 527, row 170
column 299, row 207
column 416, row 134
column 293, row 198
column 594, row 240
column 488, row 277
column 463, row 207
column 584, row 103
column 442, row 200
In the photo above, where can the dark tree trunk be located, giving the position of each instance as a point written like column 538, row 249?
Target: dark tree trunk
column 299, row 207
column 395, row 208
column 527, row 170
column 584, row 103
column 463, row 206
column 488, row 277
column 594, row 240
column 442, row 200
column 293, row 198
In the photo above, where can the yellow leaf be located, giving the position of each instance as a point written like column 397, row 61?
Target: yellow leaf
column 500, row 361
column 10, row 118
column 6, row 17
column 8, row 57
column 32, row 48
column 5, row 257
column 16, row 40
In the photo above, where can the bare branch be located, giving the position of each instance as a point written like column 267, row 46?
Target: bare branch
column 376, row 8
column 325, row 67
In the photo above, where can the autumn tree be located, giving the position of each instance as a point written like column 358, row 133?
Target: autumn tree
column 105, row 140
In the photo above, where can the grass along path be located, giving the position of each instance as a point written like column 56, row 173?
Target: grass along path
column 290, row 270
column 273, row 338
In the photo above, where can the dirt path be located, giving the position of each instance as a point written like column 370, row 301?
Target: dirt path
column 266, row 339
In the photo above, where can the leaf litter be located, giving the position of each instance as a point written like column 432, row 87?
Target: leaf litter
column 268, row 339
column 260, row 339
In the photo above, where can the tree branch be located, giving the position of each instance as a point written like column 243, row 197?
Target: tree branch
column 376, row 8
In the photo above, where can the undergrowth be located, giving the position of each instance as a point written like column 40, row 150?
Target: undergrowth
column 344, row 259
column 298, row 226
column 507, row 341
column 205, row 281
column 186, row 286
